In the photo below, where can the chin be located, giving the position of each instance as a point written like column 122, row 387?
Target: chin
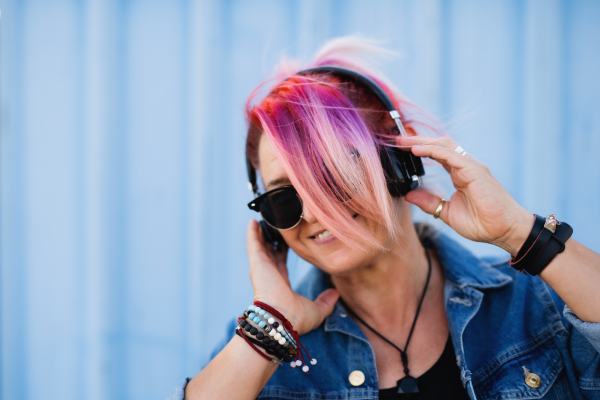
column 342, row 260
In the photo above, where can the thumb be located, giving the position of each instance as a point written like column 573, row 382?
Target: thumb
column 426, row 201
column 325, row 303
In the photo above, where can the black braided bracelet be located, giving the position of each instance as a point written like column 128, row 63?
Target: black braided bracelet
column 533, row 246
column 555, row 245
column 546, row 239
column 538, row 225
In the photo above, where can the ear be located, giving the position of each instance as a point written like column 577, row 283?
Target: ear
column 410, row 131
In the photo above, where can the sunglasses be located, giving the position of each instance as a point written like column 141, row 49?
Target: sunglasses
column 281, row 207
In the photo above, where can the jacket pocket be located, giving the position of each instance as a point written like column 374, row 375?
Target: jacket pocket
column 589, row 381
column 522, row 373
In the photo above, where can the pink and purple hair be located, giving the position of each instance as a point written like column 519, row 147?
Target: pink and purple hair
column 327, row 134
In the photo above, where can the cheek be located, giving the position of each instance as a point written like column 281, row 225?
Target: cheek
column 300, row 247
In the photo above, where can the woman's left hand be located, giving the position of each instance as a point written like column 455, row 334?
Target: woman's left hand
column 480, row 209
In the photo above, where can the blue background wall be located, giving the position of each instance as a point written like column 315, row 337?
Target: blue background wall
column 123, row 191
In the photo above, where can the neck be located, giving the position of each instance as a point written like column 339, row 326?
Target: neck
column 387, row 291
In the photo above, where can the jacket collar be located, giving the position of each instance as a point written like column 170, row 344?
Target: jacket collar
column 461, row 267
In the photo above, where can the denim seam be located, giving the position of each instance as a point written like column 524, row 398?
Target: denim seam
column 542, row 390
column 334, row 328
column 480, row 286
column 347, row 394
column 589, row 383
column 478, row 297
column 507, row 356
column 549, row 303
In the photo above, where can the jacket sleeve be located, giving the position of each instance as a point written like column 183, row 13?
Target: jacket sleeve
column 178, row 392
column 583, row 347
column 589, row 330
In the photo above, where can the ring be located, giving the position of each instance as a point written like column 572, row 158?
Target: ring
column 460, row 151
column 438, row 210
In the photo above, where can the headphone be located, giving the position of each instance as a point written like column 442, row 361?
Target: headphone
column 402, row 169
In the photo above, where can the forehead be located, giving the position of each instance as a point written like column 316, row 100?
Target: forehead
column 269, row 166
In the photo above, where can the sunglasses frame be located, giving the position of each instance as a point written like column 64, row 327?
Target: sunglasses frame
column 254, row 205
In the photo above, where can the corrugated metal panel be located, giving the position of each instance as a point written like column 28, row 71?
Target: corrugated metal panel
column 122, row 174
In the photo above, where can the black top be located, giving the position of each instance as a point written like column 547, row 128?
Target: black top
column 442, row 381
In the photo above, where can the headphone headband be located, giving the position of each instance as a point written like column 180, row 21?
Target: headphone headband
column 351, row 75
column 361, row 79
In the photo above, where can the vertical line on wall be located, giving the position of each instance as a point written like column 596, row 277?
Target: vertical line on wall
column 98, row 193
column 202, row 95
column 519, row 136
column 186, row 205
column 80, row 248
column 446, row 61
column 119, row 230
column 13, row 257
column 565, row 104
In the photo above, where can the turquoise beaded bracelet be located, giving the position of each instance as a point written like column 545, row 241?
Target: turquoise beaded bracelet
column 264, row 321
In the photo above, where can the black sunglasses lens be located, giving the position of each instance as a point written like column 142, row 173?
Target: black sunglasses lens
column 282, row 208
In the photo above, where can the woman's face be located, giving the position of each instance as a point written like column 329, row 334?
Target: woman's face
column 328, row 253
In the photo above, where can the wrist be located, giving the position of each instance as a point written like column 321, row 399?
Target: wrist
column 273, row 332
column 514, row 239
column 291, row 316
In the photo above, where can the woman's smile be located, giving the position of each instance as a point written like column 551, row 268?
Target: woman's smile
column 323, row 237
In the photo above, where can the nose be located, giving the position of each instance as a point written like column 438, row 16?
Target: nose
column 307, row 214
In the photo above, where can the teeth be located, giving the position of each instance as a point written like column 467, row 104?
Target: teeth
column 323, row 235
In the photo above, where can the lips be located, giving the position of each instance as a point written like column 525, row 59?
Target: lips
column 319, row 234
column 323, row 235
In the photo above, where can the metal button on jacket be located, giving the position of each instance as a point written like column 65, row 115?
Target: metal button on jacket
column 533, row 380
column 357, row 378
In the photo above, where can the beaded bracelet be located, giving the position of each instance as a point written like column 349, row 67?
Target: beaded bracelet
column 262, row 318
column 295, row 338
column 282, row 330
column 287, row 357
column 263, row 355
column 265, row 339
column 276, row 330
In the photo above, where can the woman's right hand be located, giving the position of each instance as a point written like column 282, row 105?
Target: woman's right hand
column 269, row 276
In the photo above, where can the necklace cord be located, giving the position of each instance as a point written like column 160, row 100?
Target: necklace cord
column 403, row 355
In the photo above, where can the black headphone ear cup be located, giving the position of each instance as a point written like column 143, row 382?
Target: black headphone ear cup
column 413, row 163
column 272, row 236
column 399, row 167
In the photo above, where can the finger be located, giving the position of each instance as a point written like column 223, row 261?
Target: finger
column 281, row 262
column 278, row 257
column 263, row 269
column 254, row 238
column 443, row 155
column 427, row 202
column 325, row 304
column 403, row 141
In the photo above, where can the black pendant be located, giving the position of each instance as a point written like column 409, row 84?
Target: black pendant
column 407, row 387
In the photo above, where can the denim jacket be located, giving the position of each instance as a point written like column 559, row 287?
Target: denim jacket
column 504, row 327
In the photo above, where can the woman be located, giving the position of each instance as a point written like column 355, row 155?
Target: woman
column 390, row 301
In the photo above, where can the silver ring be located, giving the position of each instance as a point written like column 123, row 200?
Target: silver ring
column 460, row 151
